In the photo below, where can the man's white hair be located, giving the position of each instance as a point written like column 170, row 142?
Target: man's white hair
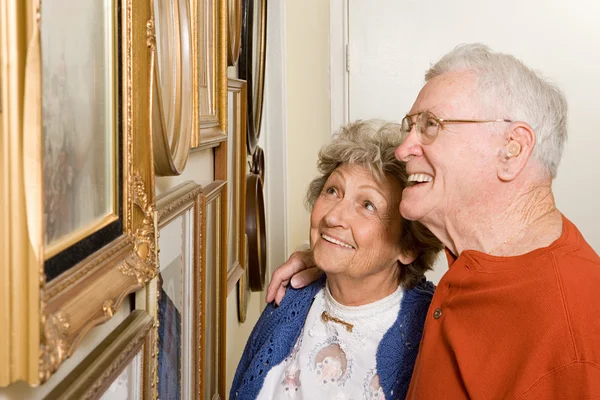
column 509, row 89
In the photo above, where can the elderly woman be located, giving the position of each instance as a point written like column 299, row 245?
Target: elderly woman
column 356, row 331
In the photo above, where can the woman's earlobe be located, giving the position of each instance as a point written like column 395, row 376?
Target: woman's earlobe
column 407, row 257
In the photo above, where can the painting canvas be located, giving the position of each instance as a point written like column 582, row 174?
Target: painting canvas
column 79, row 119
column 179, row 223
column 128, row 385
column 175, row 284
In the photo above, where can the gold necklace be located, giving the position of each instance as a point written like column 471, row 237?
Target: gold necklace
column 521, row 230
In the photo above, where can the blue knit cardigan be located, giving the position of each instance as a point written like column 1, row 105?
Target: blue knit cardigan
column 278, row 329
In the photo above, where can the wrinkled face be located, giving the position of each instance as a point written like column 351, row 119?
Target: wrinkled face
column 452, row 175
column 355, row 225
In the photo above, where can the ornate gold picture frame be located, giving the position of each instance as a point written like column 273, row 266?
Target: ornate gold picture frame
column 175, row 297
column 234, row 32
column 115, row 369
column 230, row 165
column 49, row 311
column 214, row 245
column 173, row 75
column 209, row 31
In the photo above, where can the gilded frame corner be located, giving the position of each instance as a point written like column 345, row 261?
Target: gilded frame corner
column 93, row 376
column 53, row 317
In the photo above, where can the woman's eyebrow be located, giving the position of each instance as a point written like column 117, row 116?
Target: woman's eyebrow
column 373, row 187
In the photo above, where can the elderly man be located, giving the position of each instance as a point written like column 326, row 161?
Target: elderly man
column 517, row 315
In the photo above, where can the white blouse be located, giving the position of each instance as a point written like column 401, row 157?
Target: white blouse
column 334, row 357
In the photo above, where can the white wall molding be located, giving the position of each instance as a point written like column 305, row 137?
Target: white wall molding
column 274, row 137
column 338, row 71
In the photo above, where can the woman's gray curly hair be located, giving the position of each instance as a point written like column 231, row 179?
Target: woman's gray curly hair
column 371, row 145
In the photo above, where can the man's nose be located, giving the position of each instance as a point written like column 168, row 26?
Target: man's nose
column 410, row 147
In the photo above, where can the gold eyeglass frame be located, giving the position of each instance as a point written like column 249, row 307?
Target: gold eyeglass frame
column 440, row 124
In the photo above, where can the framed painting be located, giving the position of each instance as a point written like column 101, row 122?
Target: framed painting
column 115, row 369
column 79, row 230
column 251, row 65
column 175, row 295
column 230, row 165
column 172, row 99
column 214, row 245
column 209, row 31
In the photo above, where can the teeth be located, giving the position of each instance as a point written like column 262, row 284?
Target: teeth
column 332, row 240
column 420, row 178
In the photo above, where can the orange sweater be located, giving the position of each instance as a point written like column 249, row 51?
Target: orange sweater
column 525, row 327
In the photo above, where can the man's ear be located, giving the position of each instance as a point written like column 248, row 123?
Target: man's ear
column 406, row 257
column 514, row 155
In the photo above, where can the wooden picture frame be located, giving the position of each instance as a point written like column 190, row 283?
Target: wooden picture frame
column 251, row 65
column 172, row 99
column 49, row 312
column 115, row 368
column 174, row 297
column 214, row 267
column 230, row 165
column 209, row 28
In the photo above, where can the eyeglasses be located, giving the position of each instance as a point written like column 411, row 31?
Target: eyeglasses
column 428, row 125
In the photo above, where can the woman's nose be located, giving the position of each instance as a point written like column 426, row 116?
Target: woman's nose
column 338, row 214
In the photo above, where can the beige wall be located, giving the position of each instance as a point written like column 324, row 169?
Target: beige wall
column 308, row 106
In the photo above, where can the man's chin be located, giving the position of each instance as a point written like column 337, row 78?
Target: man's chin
column 410, row 212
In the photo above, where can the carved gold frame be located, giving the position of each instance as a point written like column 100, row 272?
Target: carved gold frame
column 45, row 321
column 214, row 356
column 209, row 43
column 169, row 206
column 94, row 375
column 172, row 133
column 234, row 32
column 236, row 161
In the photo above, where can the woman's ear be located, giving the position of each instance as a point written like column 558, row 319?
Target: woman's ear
column 406, row 257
